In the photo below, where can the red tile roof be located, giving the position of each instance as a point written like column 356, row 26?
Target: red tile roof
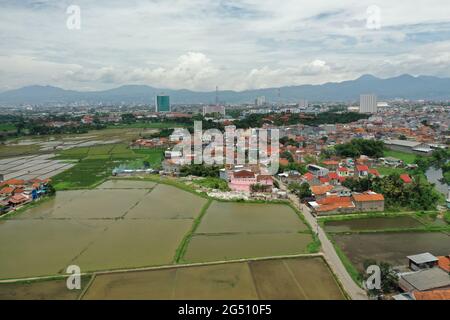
column 342, row 169
column 308, row 176
column 15, row 182
column 7, row 190
column 243, row 174
column 362, row 168
column 330, row 162
column 444, row 263
column 324, row 179
column 366, row 197
column 333, row 175
column 374, row 172
column 319, row 190
column 284, row 161
column 432, row 295
column 406, row 178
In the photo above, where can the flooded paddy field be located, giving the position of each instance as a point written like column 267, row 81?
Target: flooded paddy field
column 214, row 247
column 30, row 248
column 40, row 290
column 91, row 228
column 32, row 167
column 234, row 217
column 245, row 230
column 172, row 203
column 391, row 247
column 301, row 278
column 130, row 224
column 376, row 223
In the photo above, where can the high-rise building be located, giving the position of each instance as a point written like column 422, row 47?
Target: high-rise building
column 162, row 103
column 303, row 104
column 368, row 103
column 260, row 101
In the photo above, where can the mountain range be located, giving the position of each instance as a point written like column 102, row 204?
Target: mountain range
column 404, row 86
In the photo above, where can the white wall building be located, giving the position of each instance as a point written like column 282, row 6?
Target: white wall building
column 368, row 103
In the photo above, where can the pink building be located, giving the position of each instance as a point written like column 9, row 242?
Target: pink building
column 243, row 180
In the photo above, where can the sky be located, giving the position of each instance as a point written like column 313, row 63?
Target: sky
column 235, row 44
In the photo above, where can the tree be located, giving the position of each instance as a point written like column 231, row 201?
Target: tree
column 358, row 147
column 388, row 278
column 50, row 190
column 303, row 190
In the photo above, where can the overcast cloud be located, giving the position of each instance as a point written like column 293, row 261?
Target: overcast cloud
column 237, row 44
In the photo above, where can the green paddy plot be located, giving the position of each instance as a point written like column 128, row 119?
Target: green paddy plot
column 101, row 204
column 166, row 202
column 134, row 243
column 391, row 247
column 31, row 248
column 40, row 290
column 295, row 278
column 221, row 247
column 378, row 223
column 230, row 217
column 126, row 184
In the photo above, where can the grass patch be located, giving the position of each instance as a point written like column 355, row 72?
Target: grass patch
column 85, row 174
column 314, row 246
column 149, row 125
column 213, row 183
column 404, row 156
column 385, row 171
column 179, row 254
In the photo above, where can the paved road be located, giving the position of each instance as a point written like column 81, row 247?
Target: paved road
column 353, row 290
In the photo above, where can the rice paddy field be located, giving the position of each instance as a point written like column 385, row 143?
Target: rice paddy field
column 132, row 224
column 386, row 238
column 302, row 278
column 245, row 230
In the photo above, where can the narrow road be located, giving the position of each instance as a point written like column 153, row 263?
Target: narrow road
column 352, row 289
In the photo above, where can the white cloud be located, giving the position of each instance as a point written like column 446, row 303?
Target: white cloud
column 238, row 44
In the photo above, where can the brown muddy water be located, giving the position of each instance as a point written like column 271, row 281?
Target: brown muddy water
column 296, row 278
column 92, row 228
column 391, row 247
column 219, row 247
column 41, row 290
column 231, row 217
column 127, row 224
column 378, row 223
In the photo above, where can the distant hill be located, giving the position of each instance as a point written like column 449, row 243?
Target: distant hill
column 404, row 86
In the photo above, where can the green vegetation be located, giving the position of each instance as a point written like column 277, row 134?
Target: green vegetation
column 213, row 183
column 179, row 254
column 200, row 170
column 358, row 147
column 385, row 171
column 407, row 158
column 417, row 195
column 447, row 217
column 257, row 120
column 95, row 164
column 149, row 125
column 314, row 246
column 7, row 127
column 389, row 279
column 303, row 190
column 85, row 174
